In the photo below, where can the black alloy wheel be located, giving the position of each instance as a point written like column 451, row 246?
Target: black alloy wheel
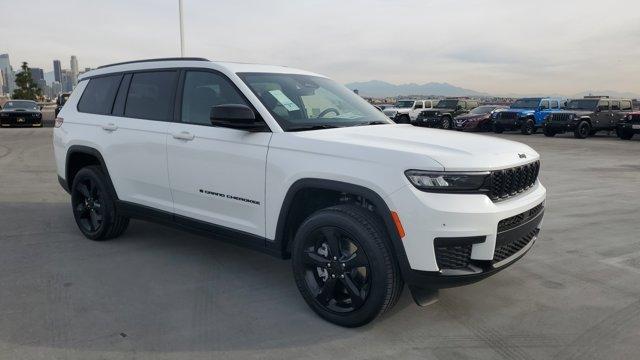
column 446, row 123
column 528, row 127
column 582, row 131
column 337, row 269
column 94, row 207
column 343, row 265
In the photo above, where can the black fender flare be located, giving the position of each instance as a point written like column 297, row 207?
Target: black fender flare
column 82, row 149
column 382, row 210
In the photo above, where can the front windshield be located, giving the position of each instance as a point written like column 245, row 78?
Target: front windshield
column 525, row 104
column 482, row 110
column 300, row 102
column 24, row 104
column 447, row 104
column 404, row 104
column 582, row 104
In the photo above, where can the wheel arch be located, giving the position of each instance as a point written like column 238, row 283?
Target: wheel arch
column 79, row 156
column 287, row 222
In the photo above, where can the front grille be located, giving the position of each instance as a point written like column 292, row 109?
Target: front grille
column 508, row 115
column 453, row 257
column 430, row 113
column 635, row 118
column 507, row 250
column 510, row 182
column 390, row 113
column 560, row 117
column 514, row 221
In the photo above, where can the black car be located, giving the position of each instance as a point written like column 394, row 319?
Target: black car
column 21, row 113
column 442, row 115
column 629, row 126
column 60, row 101
column 585, row 117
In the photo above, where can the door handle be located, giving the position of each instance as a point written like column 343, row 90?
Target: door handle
column 110, row 127
column 183, row 135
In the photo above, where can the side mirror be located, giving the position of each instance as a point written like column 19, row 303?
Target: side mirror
column 235, row 116
column 598, row 109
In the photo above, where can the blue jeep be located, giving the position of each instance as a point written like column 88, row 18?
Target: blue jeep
column 526, row 115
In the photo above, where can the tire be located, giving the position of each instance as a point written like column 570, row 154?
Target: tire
column 528, row 128
column 498, row 129
column 446, row 123
column 548, row 132
column 94, row 207
column 360, row 239
column 582, row 130
column 404, row 119
column 625, row 135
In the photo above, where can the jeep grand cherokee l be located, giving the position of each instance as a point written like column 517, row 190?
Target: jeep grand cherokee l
column 21, row 113
column 525, row 115
column 585, row 117
column 443, row 113
column 293, row 164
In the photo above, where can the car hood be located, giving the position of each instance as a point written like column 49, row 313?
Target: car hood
column 441, row 110
column 412, row 147
column 576, row 112
column 521, row 111
column 471, row 116
column 19, row 111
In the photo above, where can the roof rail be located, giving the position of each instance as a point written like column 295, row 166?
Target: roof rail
column 152, row 60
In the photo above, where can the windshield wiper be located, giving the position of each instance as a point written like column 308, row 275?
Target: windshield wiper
column 312, row 127
column 377, row 122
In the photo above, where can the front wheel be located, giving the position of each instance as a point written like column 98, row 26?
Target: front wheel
column 582, row 130
column 446, row 123
column 343, row 265
column 498, row 129
column 528, row 128
column 625, row 135
column 548, row 132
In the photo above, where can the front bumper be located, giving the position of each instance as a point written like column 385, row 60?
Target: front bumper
column 432, row 122
column 21, row 121
column 431, row 220
column 468, row 125
column 560, row 127
column 629, row 127
column 509, row 124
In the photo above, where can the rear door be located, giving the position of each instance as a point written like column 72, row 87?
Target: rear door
column 137, row 157
column 217, row 174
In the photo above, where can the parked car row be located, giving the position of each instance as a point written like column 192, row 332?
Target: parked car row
column 583, row 117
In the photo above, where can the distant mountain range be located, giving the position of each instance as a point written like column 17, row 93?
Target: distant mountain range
column 377, row 88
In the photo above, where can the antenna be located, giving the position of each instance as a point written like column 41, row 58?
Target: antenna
column 181, row 28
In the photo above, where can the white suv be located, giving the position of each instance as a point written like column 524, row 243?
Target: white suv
column 405, row 111
column 295, row 165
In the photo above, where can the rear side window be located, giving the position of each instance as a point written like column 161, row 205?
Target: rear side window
column 418, row 105
column 150, row 95
column 615, row 105
column 625, row 105
column 99, row 94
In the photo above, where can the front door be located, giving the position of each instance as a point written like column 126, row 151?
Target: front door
column 603, row 117
column 216, row 174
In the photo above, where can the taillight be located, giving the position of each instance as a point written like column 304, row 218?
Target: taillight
column 59, row 122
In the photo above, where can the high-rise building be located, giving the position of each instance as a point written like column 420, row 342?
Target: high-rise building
column 1, row 82
column 74, row 70
column 7, row 70
column 37, row 74
column 57, row 71
column 67, row 80
column 56, row 88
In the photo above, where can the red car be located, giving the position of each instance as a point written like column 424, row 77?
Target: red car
column 629, row 126
column 478, row 119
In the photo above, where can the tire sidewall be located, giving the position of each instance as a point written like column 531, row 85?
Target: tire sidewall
column 378, row 290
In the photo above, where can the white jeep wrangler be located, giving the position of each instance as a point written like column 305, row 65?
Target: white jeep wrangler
column 295, row 165
column 404, row 111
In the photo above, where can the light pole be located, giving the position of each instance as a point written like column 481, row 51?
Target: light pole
column 181, row 29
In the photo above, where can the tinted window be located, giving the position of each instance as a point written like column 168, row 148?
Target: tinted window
column 97, row 97
column 544, row 104
column 203, row 90
column 554, row 104
column 150, row 95
column 418, row 105
column 615, row 105
column 603, row 105
column 625, row 105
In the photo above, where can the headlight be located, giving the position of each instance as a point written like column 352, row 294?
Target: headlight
column 439, row 181
column 494, row 115
column 571, row 116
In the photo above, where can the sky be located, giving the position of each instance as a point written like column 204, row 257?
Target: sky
column 493, row 46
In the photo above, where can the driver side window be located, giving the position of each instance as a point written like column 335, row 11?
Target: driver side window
column 203, row 90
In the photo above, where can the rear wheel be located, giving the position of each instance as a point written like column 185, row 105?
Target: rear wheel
column 94, row 207
column 548, row 132
column 343, row 265
column 528, row 127
column 404, row 119
column 582, row 130
column 498, row 129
